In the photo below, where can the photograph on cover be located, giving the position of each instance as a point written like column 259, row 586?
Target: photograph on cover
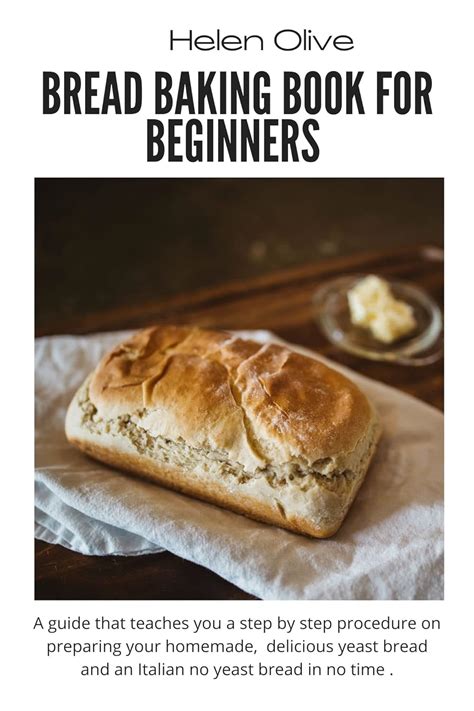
column 239, row 388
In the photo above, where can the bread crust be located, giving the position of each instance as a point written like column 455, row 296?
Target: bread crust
column 260, row 430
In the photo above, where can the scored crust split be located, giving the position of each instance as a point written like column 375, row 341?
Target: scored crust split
column 258, row 429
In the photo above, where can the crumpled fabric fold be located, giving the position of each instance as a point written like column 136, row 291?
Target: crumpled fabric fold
column 389, row 547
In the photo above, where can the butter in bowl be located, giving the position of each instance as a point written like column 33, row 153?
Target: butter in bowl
column 380, row 319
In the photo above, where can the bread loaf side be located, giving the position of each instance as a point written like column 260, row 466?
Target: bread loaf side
column 260, row 430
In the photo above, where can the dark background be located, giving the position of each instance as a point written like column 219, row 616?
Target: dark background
column 106, row 243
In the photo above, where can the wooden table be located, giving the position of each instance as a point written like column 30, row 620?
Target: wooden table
column 280, row 302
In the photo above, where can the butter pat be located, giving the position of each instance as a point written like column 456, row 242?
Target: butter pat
column 373, row 306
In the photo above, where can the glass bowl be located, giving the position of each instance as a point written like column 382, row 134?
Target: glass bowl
column 421, row 347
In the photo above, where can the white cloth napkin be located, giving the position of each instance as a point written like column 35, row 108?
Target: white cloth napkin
column 389, row 547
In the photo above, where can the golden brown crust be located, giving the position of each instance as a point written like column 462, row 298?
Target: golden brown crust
column 260, row 430
column 260, row 403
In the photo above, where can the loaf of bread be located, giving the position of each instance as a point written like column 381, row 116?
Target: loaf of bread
column 258, row 429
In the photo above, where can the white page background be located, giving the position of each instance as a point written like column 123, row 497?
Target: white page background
column 82, row 36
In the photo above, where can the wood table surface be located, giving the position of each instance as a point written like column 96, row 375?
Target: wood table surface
column 280, row 302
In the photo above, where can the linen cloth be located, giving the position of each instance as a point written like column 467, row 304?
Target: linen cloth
column 389, row 547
